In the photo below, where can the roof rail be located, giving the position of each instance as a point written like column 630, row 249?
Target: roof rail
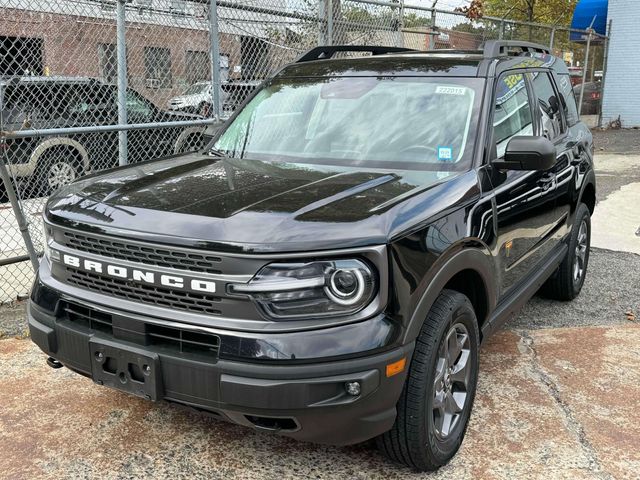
column 500, row 48
column 328, row 51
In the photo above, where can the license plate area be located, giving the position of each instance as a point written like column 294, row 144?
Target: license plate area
column 128, row 369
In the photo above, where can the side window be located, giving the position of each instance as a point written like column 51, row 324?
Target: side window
column 548, row 105
column 512, row 111
column 568, row 99
column 137, row 107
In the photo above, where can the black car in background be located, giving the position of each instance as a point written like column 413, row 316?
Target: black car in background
column 42, row 164
column 591, row 98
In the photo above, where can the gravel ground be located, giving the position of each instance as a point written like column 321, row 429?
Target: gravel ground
column 13, row 321
column 610, row 290
column 625, row 140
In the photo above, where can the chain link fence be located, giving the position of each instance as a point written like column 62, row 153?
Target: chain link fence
column 92, row 84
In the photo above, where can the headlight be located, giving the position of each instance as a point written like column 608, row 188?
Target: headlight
column 47, row 241
column 310, row 290
column 46, row 238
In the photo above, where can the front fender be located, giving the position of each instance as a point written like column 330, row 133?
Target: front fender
column 474, row 258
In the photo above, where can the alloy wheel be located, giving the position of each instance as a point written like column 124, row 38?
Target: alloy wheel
column 451, row 380
column 579, row 260
column 60, row 174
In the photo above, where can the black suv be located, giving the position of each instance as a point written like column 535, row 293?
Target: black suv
column 329, row 266
column 49, row 162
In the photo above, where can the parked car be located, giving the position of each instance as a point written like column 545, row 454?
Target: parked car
column 45, row 163
column 195, row 98
column 591, row 99
column 236, row 92
column 328, row 268
column 198, row 98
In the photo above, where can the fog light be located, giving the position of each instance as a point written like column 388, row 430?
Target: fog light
column 353, row 388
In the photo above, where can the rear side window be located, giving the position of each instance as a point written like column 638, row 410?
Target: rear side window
column 548, row 105
column 512, row 112
column 568, row 99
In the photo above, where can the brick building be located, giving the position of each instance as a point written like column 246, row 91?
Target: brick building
column 167, row 43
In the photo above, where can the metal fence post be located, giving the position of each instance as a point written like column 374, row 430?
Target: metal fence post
column 552, row 39
column 432, row 35
column 214, row 39
column 329, row 38
column 605, row 59
column 584, row 70
column 23, row 225
column 122, row 81
column 400, row 40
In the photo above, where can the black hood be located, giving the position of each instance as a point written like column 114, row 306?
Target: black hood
column 252, row 205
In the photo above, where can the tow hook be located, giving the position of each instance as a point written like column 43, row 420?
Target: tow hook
column 53, row 363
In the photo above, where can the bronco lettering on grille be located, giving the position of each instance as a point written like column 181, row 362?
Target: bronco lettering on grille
column 141, row 276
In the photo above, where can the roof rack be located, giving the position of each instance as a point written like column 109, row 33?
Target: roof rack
column 328, row 51
column 500, row 48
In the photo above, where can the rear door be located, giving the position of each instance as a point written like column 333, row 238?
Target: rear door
column 525, row 205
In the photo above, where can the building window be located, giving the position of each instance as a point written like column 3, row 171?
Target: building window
column 197, row 64
column 157, row 64
column 108, row 56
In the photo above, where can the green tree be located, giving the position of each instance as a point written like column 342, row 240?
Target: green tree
column 558, row 12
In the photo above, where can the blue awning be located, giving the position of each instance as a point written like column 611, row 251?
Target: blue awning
column 584, row 14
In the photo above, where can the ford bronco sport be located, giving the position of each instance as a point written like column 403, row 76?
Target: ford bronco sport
column 328, row 267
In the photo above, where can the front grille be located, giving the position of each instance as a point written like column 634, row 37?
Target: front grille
column 149, row 255
column 162, row 297
column 184, row 341
column 89, row 318
column 173, row 339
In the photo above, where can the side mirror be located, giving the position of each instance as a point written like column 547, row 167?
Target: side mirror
column 527, row 153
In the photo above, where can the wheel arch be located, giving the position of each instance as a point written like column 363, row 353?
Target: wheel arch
column 184, row 136
column 49, row 143
column 470, row 272
column 588, row 196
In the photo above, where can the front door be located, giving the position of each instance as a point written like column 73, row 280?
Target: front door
column 527, row 217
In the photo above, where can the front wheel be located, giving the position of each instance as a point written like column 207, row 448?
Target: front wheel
column 57, row 167
column 435, row 404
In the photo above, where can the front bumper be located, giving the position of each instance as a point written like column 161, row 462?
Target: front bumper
column 306, row 401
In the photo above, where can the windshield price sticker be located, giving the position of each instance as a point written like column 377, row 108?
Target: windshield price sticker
column 448, row 90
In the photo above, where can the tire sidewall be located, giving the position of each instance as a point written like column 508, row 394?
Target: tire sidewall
column 47, row 160
column 582, row 213
column 440, row 451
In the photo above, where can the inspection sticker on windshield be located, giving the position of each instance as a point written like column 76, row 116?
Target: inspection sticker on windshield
column 450, row 90
column 445, row 154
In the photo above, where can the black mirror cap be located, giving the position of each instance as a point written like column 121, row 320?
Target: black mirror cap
column 528, row 153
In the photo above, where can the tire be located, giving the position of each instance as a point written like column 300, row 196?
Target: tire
column 57, row 167
column 566, row 283
column 417, row 439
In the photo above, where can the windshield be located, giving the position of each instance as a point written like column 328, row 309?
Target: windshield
column 196, row 89
column 393, row 122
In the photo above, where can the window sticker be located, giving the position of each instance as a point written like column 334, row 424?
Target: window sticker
column 445, row 154
column 450, row 90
